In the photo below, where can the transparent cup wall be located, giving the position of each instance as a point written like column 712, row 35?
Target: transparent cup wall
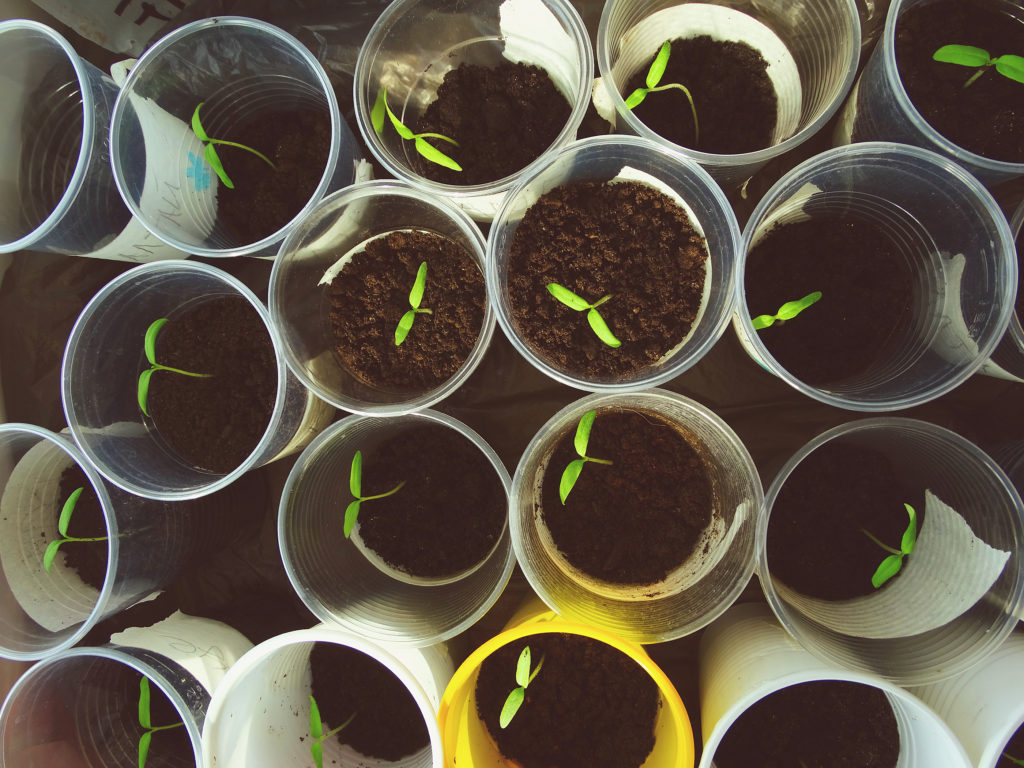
column 1009, row 354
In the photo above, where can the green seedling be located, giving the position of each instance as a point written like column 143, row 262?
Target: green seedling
column 145, row 722
column 787, row 311
column 419, row 140
column 1014, row 760
column 150, row 347
column 518, row 695
column 210, row 151
column 597, row 323
column 653, row 81
column 415, row 297
column 572, row 471
column 1007, row 65
column 891, row 565
column 355, row 485
column 62, row 528
column 316, row 732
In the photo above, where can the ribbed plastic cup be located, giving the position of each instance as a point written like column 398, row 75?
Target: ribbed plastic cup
column 812, row 49
column 1009, row 353
column 949, row 232
column 958, row 595
column 340, row 225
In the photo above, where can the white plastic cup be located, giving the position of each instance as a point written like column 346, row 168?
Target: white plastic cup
column 1009, row 353
column 602, row 159
column 342, row 223
column 240, row 69
column 414, row 43
column 99, row 381
column 950, row 233
column 693, row 595
column 812, row 49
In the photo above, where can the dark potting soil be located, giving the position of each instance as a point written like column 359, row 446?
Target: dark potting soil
column 448, row 515
column 87, row 558
column 1014, row 748
column 370, row 295
column 625, row 240
column 734, row 97
column 503, row 119
column 388, row 723
column 816, row 542
column 214, row 423
column 590, row 705
column 821, row 724
column 866, row 289
column 635, row 520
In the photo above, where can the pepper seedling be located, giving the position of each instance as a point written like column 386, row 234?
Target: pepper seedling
column 1014, row 760
column 597, row 323
column 572, row 471
column 355, row 485
column 316, row 732
column 210, row 151
column 150, row 347
column 419, row 140
column 62, row 528
column 891, row 565
column 653, row 82
column 415, row 297
column 787, row 311
column 1007, row 65
column 518, row 695
column 146, row 723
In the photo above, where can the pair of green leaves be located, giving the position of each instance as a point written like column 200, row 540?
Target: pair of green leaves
column 355, row 485
column 62, row 528
column 210, row 151
column 150, row 348
column 316, row 732
column 146, row 722
column 415, row 297
column 572, row 471
column 1007, row 65
column 578, row 303
column 787, row 311
column 518, row 695
column 653, row 82
column 891, row 565
column 419, row 140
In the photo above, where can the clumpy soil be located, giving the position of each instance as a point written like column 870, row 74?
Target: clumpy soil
column 370, row 295
column 866, row 291
column 1014, row 748
column 822, row 724
column 816, row 542
column 213, row 423
column 590, row 705
column 734, row 98
column 87, row 558
column 448, row 515
column 655, row 474
column 623, row 239
column 388, row 723
column 503, row 119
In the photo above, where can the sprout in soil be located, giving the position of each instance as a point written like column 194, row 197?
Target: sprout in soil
column 355, row 485
column 572, row 471
column 523, row 677
column 654, row 75
column 150, row 347
column 419, row 140
column 210, row 152
column 597, row 323
column 1006, row 65
column 145, row 722
column 1014, row 760
column 316, row 732
column 62, row 528
column 891, row 565
column 787, row 311
column 415, row 297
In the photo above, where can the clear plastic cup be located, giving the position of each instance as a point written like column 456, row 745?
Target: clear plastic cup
column 1009, row 353
column 602, row 159
column 950, row 233
column 414, row 43
column 812, row 49
column 240, row 69
column 338, row 582
column 342, row 223
column 695, row 593
column 99, row 380
column 958, row 595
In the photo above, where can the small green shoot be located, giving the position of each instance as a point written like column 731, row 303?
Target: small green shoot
column 891, row 565
column 1007, row 65
column 518, row 695
column 572, row 471
column 210, row 151
column 355, row 485
column 316, row 731
column 62, row 528
column 1014, row 760
column 419, row 140
column 597, row 323
column 653, row 80
column 415, row 297
column 146, row 723
column 787, row 311
column 150, row 347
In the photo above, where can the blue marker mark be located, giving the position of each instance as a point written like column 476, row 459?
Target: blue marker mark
column 199, row 172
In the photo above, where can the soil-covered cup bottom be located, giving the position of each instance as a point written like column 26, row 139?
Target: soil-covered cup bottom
column 87, row 558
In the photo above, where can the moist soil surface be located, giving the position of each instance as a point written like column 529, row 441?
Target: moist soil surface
column 635, row 520
column 214, row 423
column 866, row 290
column 733, row 96
column 87, row 558
column 625, row 240
column 448, row 515
column 822, row 724
column 371, row 294
column 589, row 706
column 388, row 723
column 502, row 118
column 1014, row 748
column 816, row 543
